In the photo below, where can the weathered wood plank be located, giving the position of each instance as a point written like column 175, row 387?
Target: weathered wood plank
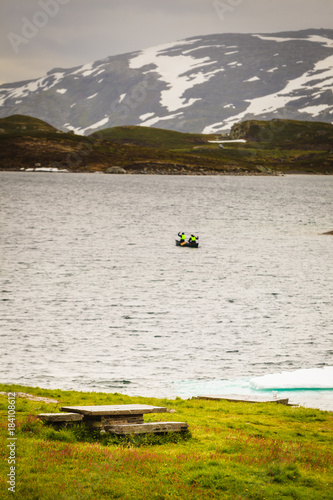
column 102, row 420
column 148, row 427
column 60, row 417
column 134, row 409
column 243, row 398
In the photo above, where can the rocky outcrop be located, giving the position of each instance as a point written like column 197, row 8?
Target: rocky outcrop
column 115, row 170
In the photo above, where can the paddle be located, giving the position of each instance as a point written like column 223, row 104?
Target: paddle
column 183, row 243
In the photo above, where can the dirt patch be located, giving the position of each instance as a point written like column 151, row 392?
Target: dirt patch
column 32, row 397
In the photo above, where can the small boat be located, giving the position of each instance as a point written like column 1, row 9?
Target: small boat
column 187, row 244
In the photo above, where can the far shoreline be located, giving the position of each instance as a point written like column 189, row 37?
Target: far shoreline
column 204, row 173
column 37, row 393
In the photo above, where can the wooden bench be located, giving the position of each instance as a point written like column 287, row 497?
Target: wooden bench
column 243, row 398
column 149, row 427
column 55, row 418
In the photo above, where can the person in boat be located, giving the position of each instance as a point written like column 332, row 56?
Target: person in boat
column 192, row 239
column 182, row 237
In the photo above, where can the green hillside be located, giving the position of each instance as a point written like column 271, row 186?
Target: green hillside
column 151, row 137
column 271, row 148
column 21, row 125
column 27, row 126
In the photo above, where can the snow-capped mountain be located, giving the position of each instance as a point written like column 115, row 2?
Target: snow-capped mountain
column 201, row 84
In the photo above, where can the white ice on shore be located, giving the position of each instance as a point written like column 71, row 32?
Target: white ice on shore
column 227, row 141
column 44, row 169
column 312, row 378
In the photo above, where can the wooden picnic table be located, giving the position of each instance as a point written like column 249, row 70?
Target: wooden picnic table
column 97, row 410
column 116, row 419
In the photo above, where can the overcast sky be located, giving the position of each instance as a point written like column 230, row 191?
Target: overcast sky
column 38, row 35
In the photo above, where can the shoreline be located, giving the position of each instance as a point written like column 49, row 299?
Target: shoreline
column 199, row 173
column 297, row 398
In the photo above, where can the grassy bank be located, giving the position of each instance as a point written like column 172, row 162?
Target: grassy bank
column 234, row 451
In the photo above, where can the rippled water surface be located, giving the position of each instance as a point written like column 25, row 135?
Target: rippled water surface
column 95, row 294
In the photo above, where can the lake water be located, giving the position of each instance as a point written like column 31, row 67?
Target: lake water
column 96, row 296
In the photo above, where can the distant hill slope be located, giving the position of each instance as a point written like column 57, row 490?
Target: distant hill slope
column 21, row 125
column 272, row 147
column 203, row 84
column 152, row 137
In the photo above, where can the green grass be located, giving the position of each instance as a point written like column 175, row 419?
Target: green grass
column 233, row 451
column 151, row 137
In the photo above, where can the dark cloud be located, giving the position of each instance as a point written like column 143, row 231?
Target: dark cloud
column 65, row 33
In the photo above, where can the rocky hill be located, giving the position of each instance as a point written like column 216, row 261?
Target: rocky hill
column 285, row 134
column 204, row 84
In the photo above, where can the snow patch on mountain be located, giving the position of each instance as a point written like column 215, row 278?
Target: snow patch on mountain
column 146, row 116
column 253, row 79
column 44, row 83
column 153, row 121
column 193, row 85
column 205, row 47
column 314, row 110
column 276, row 38
column 84, row 131
column 327, row 42
column 321, row 74
column 85, row 70
column 172, row 70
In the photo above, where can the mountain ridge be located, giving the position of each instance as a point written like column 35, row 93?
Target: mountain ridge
column 202, row 84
